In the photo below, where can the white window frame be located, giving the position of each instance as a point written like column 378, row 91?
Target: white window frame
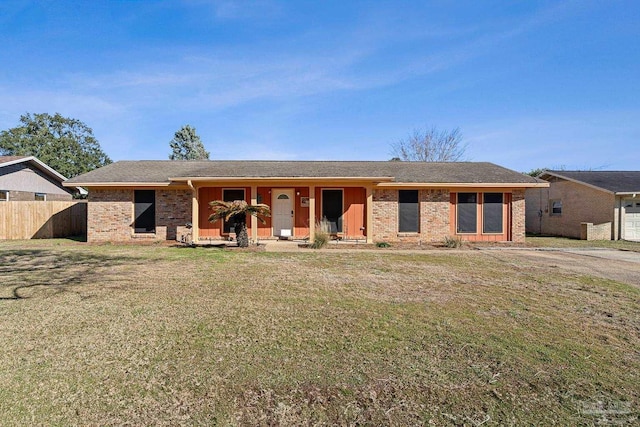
column 551, row 207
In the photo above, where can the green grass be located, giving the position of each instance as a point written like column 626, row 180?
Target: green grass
column 151, row 335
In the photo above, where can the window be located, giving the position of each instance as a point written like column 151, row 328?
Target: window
column 231, row 195
column 492, row 213
column 332, row 209
column 467, row 213
column 40, row 197
column 408, row 211
column 145, row 211
column 4, row 196
column 556, row 207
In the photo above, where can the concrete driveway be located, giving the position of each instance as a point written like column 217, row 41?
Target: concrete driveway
column 622, row 266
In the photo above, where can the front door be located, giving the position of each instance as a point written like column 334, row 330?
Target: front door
column 282, row 215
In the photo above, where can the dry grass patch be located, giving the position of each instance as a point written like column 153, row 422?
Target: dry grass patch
column 565, row 242
column 112, row 335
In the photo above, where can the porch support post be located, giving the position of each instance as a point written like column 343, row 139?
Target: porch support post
column 195, row 212
column 254, row 220
column 312, row 212
column 369, row 209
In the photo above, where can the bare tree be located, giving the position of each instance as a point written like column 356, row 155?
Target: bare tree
column 430, row 145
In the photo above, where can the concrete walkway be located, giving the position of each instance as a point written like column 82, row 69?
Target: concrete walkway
column 281, row 246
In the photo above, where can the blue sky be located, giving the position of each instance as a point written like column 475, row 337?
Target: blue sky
column 529, row 83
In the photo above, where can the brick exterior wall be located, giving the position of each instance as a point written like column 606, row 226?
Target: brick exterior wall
column 590, row 231
column 173, row 210
column 435, row 221
column 579, row 204
column 385, row 215
column 518, row 207
column 111, row 215
column 434, row 216
column 26, row 196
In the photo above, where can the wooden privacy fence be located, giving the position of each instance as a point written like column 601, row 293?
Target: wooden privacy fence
column 42, row 219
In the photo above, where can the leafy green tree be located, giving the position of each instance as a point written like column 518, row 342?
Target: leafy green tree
column 237, row 212
column 430, row 145
column 535, row 172
column 67, row 145
column 186, row 145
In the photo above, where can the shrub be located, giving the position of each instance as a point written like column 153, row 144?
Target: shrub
column 321, row 235
column 453, row 242
column 383, row 244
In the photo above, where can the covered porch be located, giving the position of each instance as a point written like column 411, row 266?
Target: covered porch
column 296, row 208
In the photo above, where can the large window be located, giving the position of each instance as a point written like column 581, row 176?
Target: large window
column 467, row 212
column 231, row 195
column 492, row 213
column 145, row 211
column 4, row 196
column 408, row 211
column 332, row 209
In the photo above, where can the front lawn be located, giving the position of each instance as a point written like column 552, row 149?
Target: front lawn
column 156, row 335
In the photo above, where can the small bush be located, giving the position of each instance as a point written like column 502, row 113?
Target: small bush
column 453, row 242
column 321, row 236
column 383, row 245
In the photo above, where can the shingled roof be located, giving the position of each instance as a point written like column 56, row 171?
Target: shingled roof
column 163, row 171
column 613, row 181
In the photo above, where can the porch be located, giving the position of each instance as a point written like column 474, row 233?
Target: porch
column 295, row 211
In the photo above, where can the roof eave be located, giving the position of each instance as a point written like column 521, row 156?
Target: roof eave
column 577, row 181
column 43, row 166
column 116, row 184
column 281, row 178
column 466, row 184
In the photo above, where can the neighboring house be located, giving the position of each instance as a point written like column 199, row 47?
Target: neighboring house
column 372, row 201
column 592, row 205
column 27, row 178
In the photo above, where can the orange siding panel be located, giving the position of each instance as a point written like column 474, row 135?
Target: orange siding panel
column 264, row 230
column 206, row 195
column 301, row 225
column 354, row 211
column 480, row 236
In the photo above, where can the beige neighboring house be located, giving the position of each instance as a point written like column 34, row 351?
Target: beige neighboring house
column 25, row 178
column 367, row 201
column 590, row 205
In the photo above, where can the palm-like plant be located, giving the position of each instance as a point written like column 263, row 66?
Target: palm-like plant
column 237, row 212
